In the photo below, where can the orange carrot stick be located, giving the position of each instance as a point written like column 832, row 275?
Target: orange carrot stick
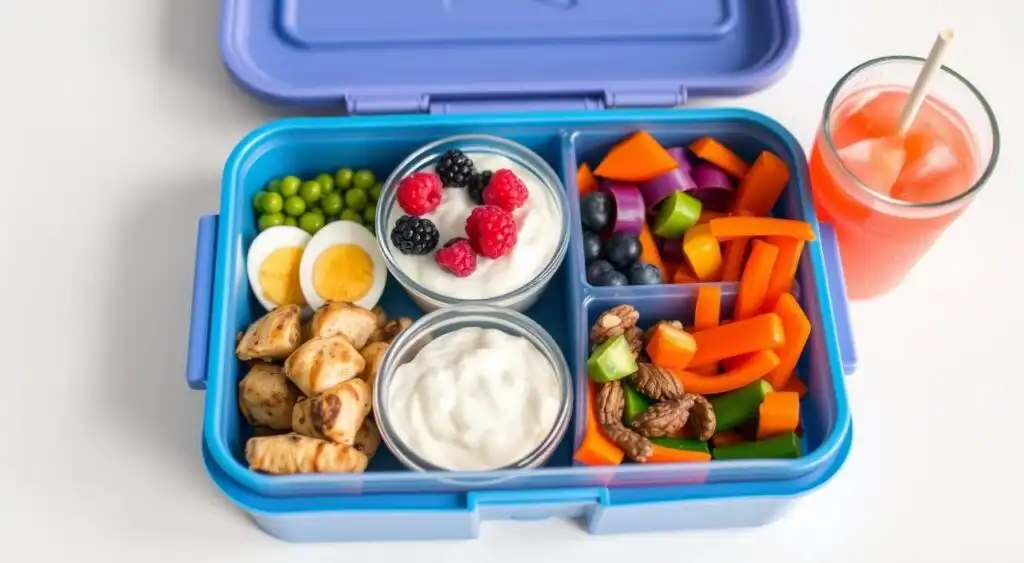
column 734, row 255
column 779, row 413
column 638, row 158
column 670, row 347
column 726, row 438
column 797, row 329
column 762, row 186
column 585, row 180
column 784, row 272
column 761, row 332
column 795, row 385
column 753, row 369
column 649, row 251
column 714, row 152
column 708, row 311
column 596, row 448
column 754, row 282
column 729, row 228
column 662, row 454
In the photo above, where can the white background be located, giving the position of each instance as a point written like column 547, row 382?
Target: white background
column 115, row 120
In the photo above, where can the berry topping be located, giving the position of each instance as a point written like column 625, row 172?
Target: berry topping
column 419, row 193
column 455, row 168
column 476, row 186
column 414, row 235
column 456, row 257
column 491, row 230
column 506, row 191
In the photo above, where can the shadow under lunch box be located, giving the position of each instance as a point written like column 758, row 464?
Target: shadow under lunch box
column 491, row 68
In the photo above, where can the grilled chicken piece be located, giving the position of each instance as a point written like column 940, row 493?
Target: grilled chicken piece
column 390, row 330
column 266, row 397
column 334, row 415
column 338, row 317
column 272, row 337
column 368, row 439
column 372, row 354
column 322, row 363
column 294, row 453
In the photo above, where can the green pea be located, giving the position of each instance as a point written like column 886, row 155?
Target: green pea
column 370, row 213
column 290, row 222
column 351, row 215
column 343, row 178
column 270, row 220
column 326, row 182
column 375, row 191
column 294, row 206
column 363, row 179
column 274, row 186
column 355, row 199
column 257, row 200
column 290, row 185
column 310, row 191
column 272, row 202
column 316, row 208
column 332, row 203
column 311, row 222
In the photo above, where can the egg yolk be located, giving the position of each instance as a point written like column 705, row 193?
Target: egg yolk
column 343, row 272
column 279, row 276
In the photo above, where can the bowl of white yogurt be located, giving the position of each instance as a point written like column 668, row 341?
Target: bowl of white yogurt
column 473, row 388
column 515, row 280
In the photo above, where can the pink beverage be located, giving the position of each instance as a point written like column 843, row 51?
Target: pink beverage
column 890, row 197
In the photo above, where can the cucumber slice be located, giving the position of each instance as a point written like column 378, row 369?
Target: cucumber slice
column 635, row 403
column 611, row 360
column 676, row 214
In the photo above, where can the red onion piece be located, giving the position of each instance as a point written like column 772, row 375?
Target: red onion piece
column 683, row 157
column 629, row 208
column 655, row 191
column 714, row 188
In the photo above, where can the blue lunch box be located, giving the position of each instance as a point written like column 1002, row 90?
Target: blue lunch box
column 281, row 51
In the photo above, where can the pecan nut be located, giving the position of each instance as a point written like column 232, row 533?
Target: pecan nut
column 635, row 338
column 702, row 420
column 665, row 418
column 613, row 322
column 611, row 401
column 657, row 383
column 635, row 446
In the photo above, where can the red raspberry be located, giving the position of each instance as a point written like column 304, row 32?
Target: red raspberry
column 491, row 230
column 506, row 191
column 456, row 257
column 419, row 193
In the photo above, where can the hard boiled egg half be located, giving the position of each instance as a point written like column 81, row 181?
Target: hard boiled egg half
column 342, row 262
column 273, row 266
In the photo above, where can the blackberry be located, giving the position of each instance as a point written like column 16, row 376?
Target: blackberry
column 476, row 186
column 455, row 169
column 415, row 235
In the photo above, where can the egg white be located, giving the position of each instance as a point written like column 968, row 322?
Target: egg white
column 342, row 232
column 265, row 243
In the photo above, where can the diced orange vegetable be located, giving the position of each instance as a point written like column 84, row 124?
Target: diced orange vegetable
column 714, row 152
column 779, row 413
column 784, row 272
column 649, row 251
column 795, row 385
column 726, row 438
column 758, row 333
column 707, row 215
column 729, row 228
column 754, row 281
column 662, row 454
column 596, row 448
column 585, row 180
column 670, row 347
column 684, row 274
column 762, row 186
column 703, row 253
column 753, row 369
column 636, row 159
column 708, row 310
column 797, row 329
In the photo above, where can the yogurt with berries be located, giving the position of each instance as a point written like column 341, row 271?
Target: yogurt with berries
column 488, row 237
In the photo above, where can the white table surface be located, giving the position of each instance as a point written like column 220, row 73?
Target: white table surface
column 115, row 120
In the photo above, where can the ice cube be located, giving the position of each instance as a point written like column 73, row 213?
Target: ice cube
column 876, row 162
column 931, row 168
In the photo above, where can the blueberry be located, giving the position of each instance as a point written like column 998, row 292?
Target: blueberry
column 622, row 250
column 591, row 247
column 611, row 278
column 596, row 211
column 596, row 269
column 642, row 273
